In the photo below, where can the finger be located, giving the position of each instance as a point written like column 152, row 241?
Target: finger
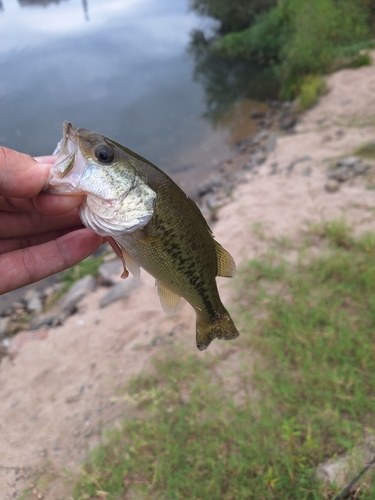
column 44, row 204
column 12, row 244
column 20, row 175
column 13, row 225
column 29, row 265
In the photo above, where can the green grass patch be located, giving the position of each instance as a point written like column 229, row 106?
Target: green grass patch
column 366, row 151
column 73, row 274
column 211, row 428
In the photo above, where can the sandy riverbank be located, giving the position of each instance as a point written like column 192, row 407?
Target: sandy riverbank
column 56, row 394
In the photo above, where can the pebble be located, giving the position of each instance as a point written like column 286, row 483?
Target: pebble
column 332, row 186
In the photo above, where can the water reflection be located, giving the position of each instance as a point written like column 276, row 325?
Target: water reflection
column 85, row 6
column 226, row 81
column 43, row 3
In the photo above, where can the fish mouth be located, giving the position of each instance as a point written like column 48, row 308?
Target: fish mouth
column 64, row 177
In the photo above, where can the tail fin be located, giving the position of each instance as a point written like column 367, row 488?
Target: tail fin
column 221, row 328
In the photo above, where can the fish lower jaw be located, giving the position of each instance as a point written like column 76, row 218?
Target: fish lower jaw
column 57, row 186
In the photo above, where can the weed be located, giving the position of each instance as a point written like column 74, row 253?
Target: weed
column 311, row 88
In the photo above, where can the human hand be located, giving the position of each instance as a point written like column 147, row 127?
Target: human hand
column 40, row 234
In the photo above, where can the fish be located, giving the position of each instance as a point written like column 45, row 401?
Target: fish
column 150, row 223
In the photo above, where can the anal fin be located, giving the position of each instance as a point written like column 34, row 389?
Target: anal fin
column 225, row 264
column 169, row 300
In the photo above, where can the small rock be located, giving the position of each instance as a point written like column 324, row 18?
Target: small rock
column 341, row 470
column 360, row 169
column 289, row 169
column 33, row 300
column 349, row 161
column 259, row 158
column 332, row 186
column 287, row 120
column 261, row 136
column 119, row 291
column 17, row 342
column 110, row 272
column 45, row 320
column 77, row 292
column 210, row 186
column 87, row 433
column 340, row 174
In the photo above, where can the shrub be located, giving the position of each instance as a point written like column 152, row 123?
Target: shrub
column 311, row 88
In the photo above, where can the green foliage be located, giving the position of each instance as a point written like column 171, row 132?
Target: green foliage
column 303, row 38
column 260, row 42
column 362, row 59
column 310, row 89
column 321, row 31
column 212, row 428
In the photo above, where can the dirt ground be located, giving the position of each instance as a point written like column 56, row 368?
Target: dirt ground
column 59, row 394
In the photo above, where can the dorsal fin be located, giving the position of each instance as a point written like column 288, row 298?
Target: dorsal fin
column 225, row 264
column 169, row 300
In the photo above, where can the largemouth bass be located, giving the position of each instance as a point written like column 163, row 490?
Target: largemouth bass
column 150, row 222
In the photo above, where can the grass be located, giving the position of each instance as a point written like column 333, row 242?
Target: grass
column 366, row 151
column 255, row 420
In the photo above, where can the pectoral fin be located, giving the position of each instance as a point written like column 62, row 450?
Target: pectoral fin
column 225, row 264
column 169, row 300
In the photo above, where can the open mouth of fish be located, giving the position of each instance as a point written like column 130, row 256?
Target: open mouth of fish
column 69, row 166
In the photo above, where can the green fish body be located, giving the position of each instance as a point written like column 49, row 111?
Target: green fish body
column 155, row 225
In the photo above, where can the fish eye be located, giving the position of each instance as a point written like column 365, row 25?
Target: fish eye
column 104, row 153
